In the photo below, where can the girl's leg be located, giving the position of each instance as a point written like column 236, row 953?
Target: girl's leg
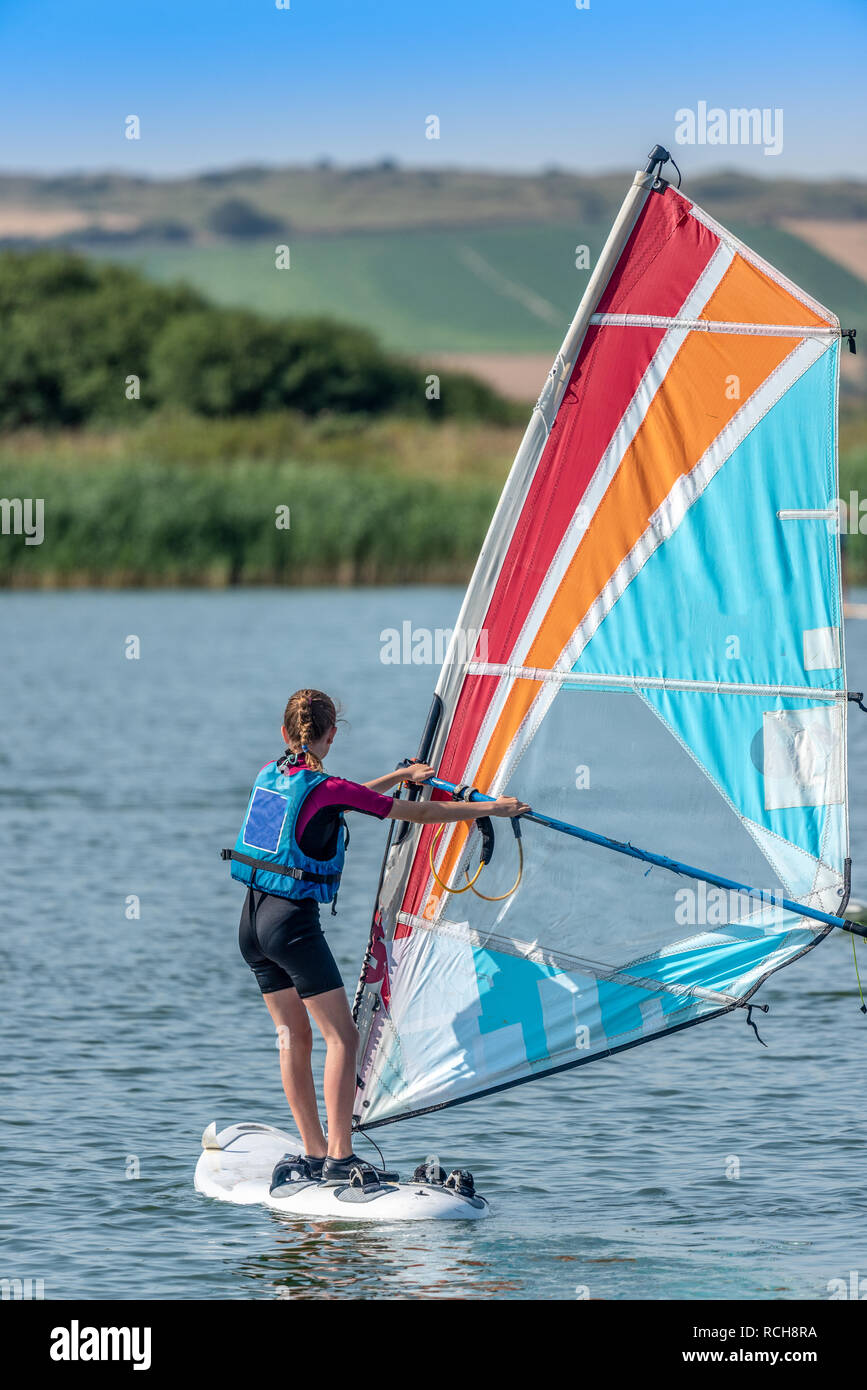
column 331, row 1014
column 296, row 1044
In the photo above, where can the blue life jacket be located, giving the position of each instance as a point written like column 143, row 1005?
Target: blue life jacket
column 266, row 854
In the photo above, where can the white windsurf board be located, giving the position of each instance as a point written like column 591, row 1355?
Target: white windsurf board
column 236, row 1164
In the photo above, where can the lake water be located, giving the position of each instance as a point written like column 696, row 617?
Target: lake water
column 124, row 1038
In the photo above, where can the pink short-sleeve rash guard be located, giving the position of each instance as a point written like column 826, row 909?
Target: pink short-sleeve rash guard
column 317, row 819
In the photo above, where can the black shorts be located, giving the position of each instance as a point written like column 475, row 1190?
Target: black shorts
column 284, row 945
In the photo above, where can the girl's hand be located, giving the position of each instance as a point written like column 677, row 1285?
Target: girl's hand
column 507, row 806
column 416, row 773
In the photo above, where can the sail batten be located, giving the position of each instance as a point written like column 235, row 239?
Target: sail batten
column 659, row 620
column 760, row 330
column 631, row 682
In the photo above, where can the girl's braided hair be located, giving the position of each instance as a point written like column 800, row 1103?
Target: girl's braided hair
column 307, row 718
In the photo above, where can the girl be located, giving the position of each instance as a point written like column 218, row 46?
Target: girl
column 290, row 854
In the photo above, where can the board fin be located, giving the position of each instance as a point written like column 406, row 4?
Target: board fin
column 209, row 1138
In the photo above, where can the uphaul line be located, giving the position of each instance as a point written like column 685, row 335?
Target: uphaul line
column 662, row 861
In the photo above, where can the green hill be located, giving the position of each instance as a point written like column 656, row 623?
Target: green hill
column 326, row 198
column 504, row 289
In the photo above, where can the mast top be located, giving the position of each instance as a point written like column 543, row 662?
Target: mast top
column 658, row 157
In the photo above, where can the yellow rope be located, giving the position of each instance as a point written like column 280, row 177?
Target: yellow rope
column 514, row 888
column 442, row 884
column 471, row 881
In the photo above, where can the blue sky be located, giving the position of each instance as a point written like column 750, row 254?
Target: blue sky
column 515, row 85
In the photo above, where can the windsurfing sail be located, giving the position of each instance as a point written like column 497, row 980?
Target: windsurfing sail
column 652, row 646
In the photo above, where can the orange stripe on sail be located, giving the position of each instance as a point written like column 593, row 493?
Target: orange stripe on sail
column 746, row 295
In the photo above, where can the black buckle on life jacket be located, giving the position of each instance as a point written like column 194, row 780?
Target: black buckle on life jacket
column 305, row 875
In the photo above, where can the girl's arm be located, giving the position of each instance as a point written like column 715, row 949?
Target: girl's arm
column 445, row 812
column 416, row 772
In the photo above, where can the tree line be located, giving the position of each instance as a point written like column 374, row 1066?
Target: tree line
column 89, row 342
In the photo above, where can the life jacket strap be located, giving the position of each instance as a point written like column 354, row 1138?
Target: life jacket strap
column 306, row 874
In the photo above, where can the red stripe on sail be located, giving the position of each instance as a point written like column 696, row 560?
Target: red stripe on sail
column 661, row 261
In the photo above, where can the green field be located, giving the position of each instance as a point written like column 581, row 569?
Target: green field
column 507, row 289
column 417, row 291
